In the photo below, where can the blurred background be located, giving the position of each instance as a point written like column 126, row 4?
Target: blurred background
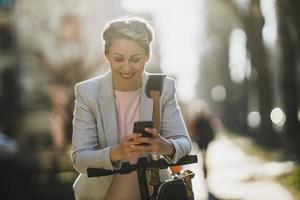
column 237, row 60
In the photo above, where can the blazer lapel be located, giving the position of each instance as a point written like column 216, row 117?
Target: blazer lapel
column 108, row 111
column 108, row 108
column 146, row 106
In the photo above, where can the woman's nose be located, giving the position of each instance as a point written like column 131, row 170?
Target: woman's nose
column 127, row 66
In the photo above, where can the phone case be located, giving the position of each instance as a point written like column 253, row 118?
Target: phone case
column 139, row 127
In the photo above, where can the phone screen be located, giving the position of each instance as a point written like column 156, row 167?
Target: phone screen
column 139, row 127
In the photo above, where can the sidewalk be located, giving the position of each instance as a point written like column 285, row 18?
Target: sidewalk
column 234, row 175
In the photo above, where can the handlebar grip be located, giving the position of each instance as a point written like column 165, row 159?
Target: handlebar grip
column 142, row 163
column 93, row 172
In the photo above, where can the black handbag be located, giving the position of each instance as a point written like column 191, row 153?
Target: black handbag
column 177, row 188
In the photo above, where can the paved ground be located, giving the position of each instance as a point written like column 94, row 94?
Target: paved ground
column 234, row 175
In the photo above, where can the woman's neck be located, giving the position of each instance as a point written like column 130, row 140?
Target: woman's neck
column 127, row 86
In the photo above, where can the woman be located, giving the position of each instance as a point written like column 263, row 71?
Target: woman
column 106, row 108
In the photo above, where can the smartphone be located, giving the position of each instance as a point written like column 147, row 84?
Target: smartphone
column 139, row 127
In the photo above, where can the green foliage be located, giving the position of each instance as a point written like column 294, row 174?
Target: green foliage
column 292, row 182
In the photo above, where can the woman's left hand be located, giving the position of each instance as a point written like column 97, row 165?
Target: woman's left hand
column 157, row 144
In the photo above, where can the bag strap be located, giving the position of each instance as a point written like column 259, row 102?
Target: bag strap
column 153, row 90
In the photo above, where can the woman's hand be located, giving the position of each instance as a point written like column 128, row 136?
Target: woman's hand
column 130, row 146
column 157, row 144
column 123, row 151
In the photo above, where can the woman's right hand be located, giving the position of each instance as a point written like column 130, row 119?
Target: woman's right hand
column 123, row 151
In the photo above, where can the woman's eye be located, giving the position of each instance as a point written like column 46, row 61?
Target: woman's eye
column 135, row 59
column 118, row 59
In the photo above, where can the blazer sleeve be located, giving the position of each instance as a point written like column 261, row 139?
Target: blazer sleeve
column 173, row 127
column 85, row 145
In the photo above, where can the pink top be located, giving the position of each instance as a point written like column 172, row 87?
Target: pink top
column 125, row 187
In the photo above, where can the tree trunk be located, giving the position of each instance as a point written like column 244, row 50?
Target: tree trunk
column 253, row 28
column 289, row 31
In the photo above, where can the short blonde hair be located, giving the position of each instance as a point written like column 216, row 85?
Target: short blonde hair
column 136, row 29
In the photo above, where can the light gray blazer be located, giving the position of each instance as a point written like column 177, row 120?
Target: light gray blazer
column 95, row 129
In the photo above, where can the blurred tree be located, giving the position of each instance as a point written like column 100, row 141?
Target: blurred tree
column 252, row 22
column 253, row 27
column 289, row 35
column 215, row 70
column 65, row 67
column 9, row 83
column 58, row 47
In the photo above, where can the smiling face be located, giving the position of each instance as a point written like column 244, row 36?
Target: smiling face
column 127, row 59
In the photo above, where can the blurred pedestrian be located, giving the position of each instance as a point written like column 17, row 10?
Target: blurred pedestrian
column 201, row 128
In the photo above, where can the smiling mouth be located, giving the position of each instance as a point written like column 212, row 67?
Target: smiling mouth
column 127, row 76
